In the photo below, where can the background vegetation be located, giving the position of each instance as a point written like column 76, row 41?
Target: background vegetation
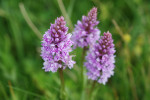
column 22, row 22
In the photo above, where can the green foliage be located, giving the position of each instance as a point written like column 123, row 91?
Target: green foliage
column 21, row 74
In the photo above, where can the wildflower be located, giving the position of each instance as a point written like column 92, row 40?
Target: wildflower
column 85, row 33
column 100, row 59
column 56, row 46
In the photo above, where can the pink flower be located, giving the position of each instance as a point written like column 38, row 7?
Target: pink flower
column 56, row 46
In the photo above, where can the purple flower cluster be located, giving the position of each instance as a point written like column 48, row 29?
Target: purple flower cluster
column 100, row 59
column 85, row 33
column 56, row 46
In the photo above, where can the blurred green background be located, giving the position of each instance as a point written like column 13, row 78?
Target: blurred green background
column 22, row 22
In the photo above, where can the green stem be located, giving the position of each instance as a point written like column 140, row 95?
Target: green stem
column 82, row 73
column 63, row 94
column 91, row 90
column 82, row 70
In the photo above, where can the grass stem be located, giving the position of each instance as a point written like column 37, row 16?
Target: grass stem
column 64, row 12
column 29, row 22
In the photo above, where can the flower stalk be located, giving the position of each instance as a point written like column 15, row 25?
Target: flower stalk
column 91, row 89
column 82, row 69
column 63, row 93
